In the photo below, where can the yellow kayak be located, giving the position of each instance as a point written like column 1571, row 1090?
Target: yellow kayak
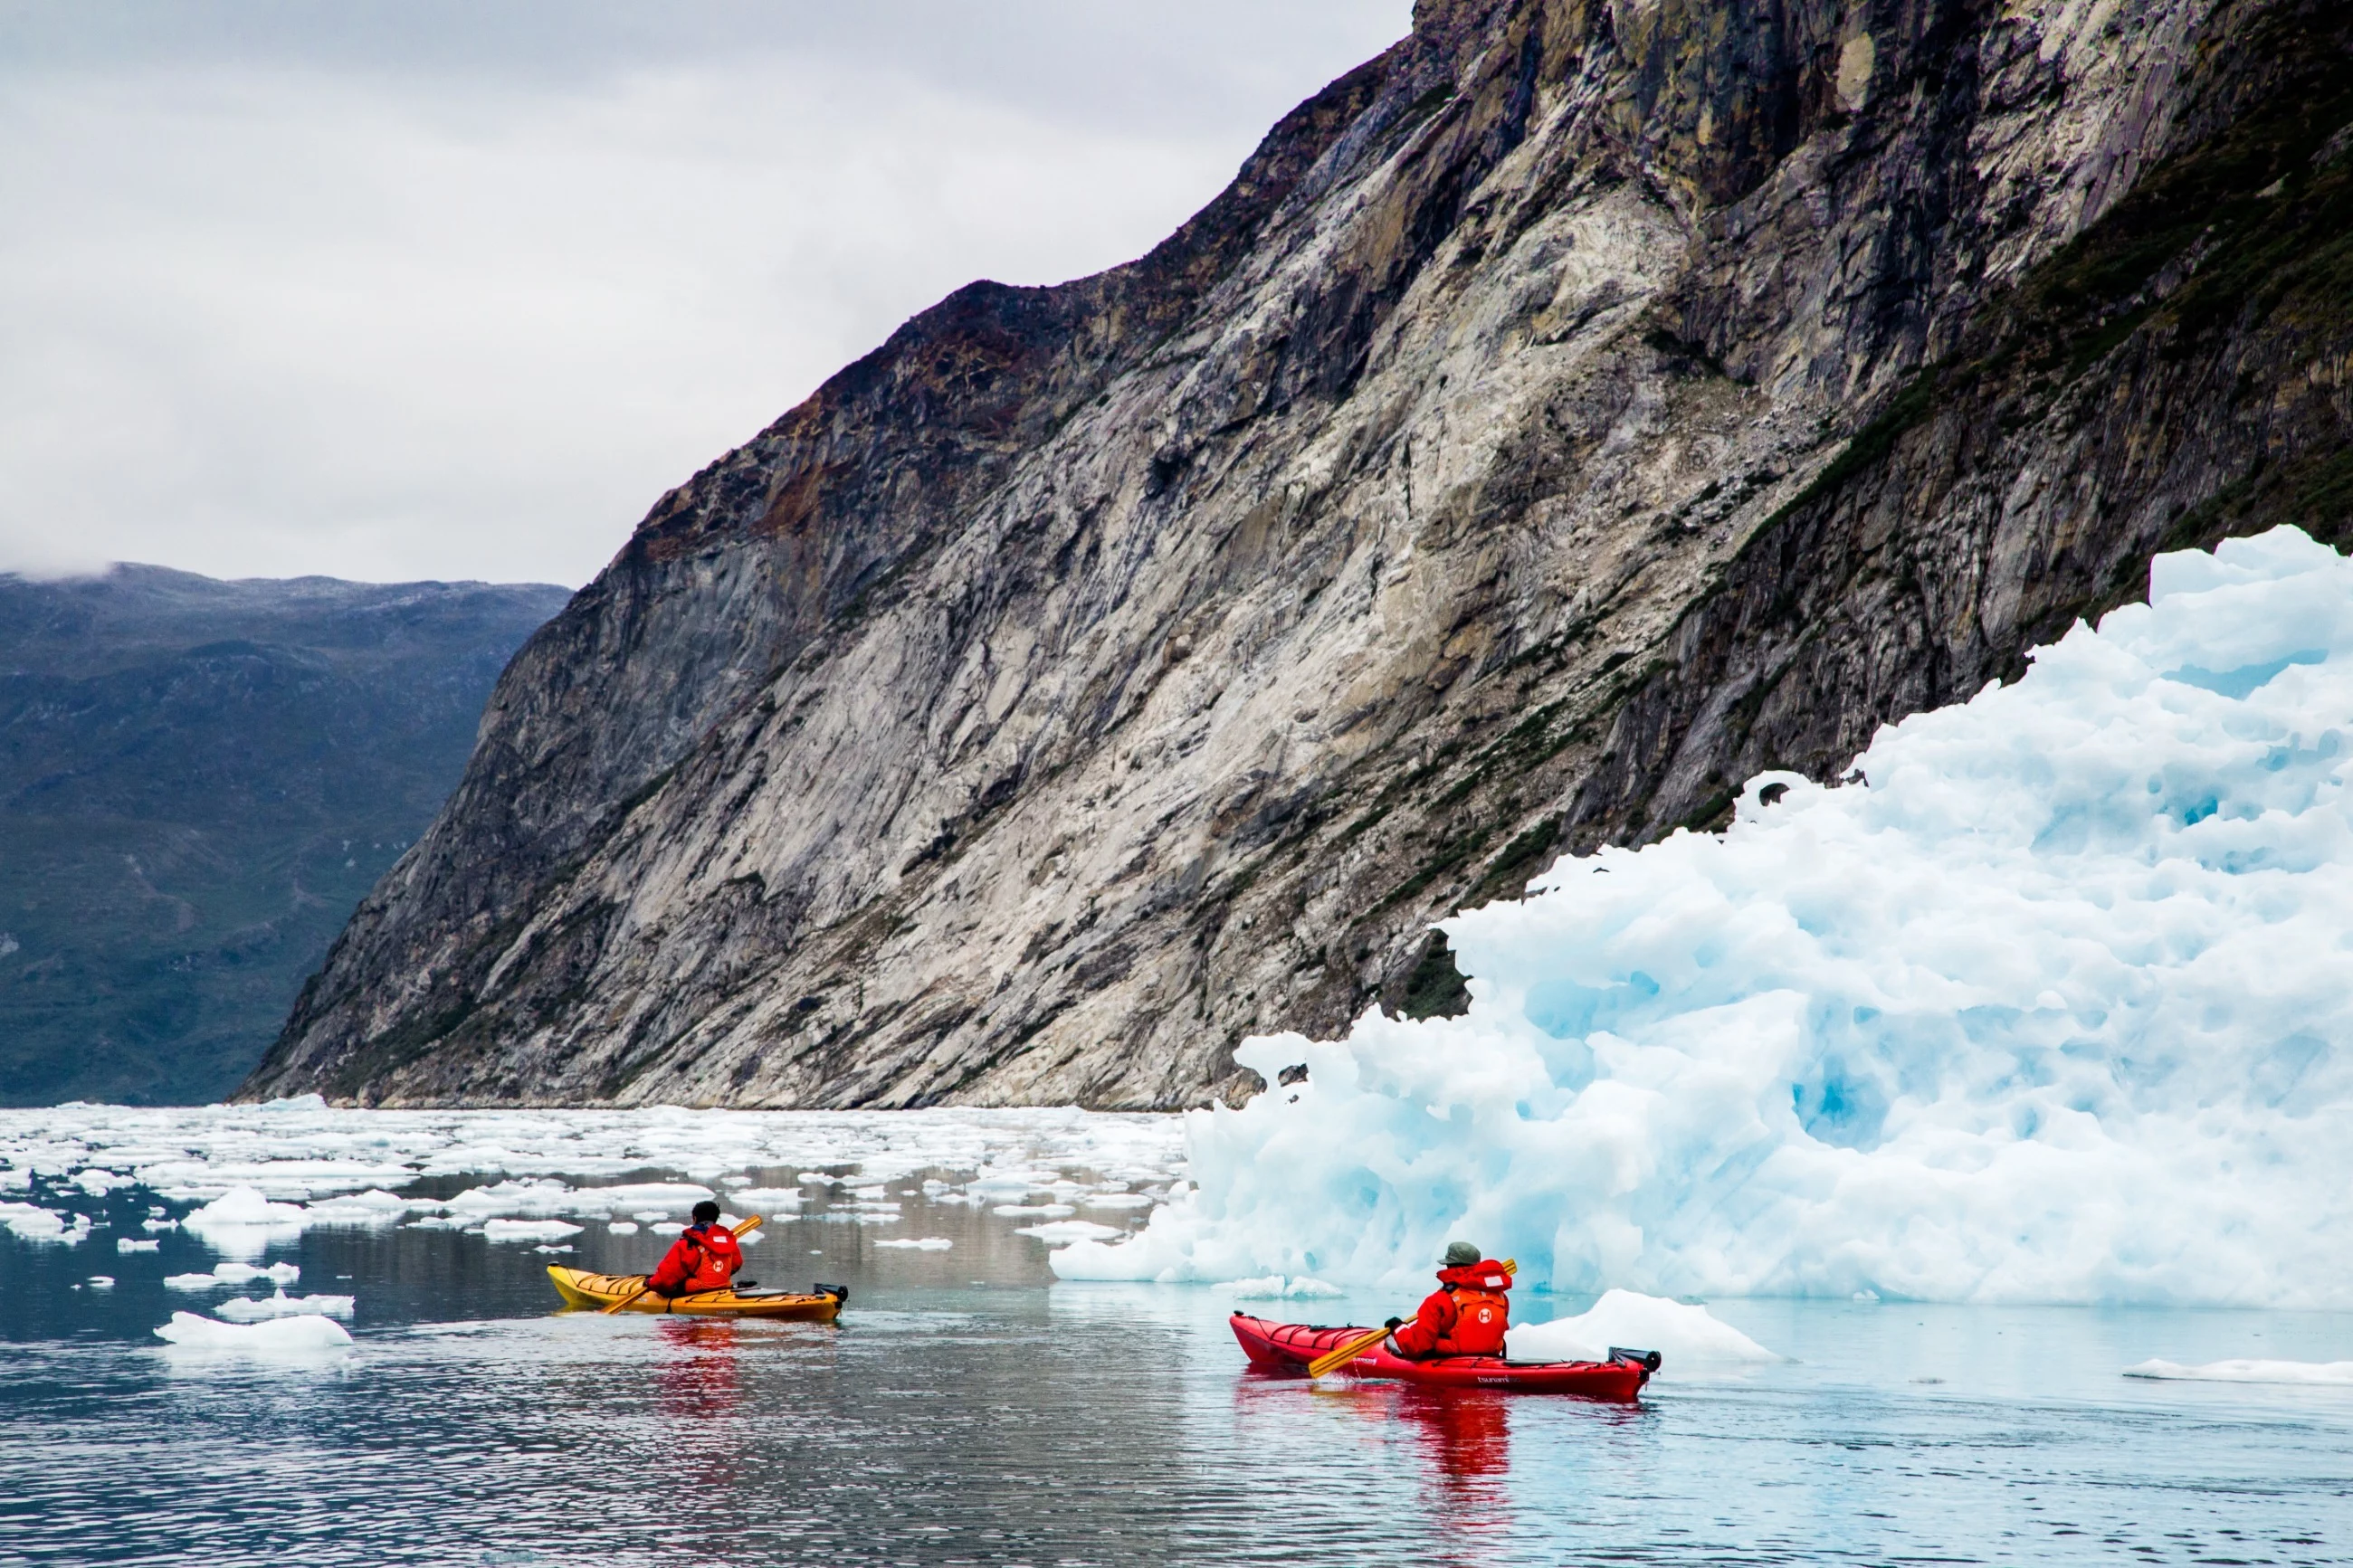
column 581, row 1288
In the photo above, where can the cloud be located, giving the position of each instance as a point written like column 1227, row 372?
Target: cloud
column 408, row 296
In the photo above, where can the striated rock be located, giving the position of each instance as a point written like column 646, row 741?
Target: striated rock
column 1561, row 417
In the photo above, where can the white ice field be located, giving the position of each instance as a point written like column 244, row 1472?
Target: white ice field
column 2052, row 1003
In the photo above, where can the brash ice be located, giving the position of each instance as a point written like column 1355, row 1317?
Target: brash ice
column 2047, row 1002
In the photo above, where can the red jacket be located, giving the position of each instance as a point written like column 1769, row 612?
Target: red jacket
column 703, row 1257
column 1467, row 1320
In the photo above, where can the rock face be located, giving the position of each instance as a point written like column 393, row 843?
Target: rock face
column 1579, row 408
column 198, row 781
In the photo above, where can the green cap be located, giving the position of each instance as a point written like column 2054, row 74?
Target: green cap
column 1462, row 1255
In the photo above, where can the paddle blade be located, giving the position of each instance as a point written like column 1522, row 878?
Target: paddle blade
column 1332, row 1360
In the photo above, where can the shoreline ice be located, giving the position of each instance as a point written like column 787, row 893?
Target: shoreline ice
column 2042, row 1006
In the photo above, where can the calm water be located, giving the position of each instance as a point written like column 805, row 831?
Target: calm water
column 968, row 1409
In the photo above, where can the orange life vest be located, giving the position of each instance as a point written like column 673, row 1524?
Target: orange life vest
column 1481, row 1316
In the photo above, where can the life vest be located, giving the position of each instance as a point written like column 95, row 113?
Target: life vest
column 702, row 1259
column 1483, row 1310
column 1479, row 1318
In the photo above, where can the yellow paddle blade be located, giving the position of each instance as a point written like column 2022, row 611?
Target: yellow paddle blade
column 1341, row 1357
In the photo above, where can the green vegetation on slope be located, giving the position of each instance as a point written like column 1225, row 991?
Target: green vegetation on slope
column 199, row 781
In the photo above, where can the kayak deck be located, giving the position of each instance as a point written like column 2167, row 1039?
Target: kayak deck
column 581, row 1288
column 1287, row 1348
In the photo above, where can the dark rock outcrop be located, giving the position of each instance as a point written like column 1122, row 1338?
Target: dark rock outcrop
column 1566, row 415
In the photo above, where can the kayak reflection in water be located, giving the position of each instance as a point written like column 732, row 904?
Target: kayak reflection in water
column 705, row 1257
column 1465, row 1432
column 1466, row 1315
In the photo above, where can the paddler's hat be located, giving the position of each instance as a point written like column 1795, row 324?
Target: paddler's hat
column 1462, row 1255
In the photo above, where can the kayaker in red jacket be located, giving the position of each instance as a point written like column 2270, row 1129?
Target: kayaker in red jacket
column 1466, row 1315
column 703, row 1257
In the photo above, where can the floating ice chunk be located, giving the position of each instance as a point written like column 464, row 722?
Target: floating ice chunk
column 2333, row 1373
column 2049, row 1003
column 529, row 1229
column 1057, row 1232
column 764, row 1200
column 191, row 1282
column 1281, row 1288
column 98, row 1182
column 127, row 1244
column 534, row 1197
column 253, row 1310
column 1681, row 1333
column 1050, row 1211
column 32, row 1222
column 926, row 1244
column 623, row 1228
column 234, row 1274
column 307, row 1335
column 551, row 1250
column 243, row 1223
column 1115, row 1201
column 159, row 1225
column 14, row 1178
column 650, row 1216
column 102, row 1281
column 665, row 1227
column 373, row 1207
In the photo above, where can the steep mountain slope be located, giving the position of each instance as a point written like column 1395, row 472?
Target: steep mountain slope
column 197, row 781
column 1577, row 408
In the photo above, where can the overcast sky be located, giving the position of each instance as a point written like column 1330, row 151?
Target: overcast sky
column 405, row 289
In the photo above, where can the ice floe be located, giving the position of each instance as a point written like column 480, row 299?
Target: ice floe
column 2329, row 1374
column 1681, row 1332
column 912, row 1244
column 528, row 1229
column 233, row 1273
column 296, row 1337
column 257, row 1308
column 2047, row 1002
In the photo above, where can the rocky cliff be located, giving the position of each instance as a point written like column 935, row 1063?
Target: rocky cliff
column 1578, row 408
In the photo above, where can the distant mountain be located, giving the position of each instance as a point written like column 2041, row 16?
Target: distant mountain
column 198, row 781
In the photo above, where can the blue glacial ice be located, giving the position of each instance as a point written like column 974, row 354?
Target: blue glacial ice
column 2051, row 1004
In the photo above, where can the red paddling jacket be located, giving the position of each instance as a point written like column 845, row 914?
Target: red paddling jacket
column 703, row 1257
column 1469, row 1319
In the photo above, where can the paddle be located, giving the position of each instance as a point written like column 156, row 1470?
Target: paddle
column 746, row 1228
column 1333, row 1359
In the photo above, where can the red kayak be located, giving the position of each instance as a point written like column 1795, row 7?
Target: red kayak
column 1289, row 1347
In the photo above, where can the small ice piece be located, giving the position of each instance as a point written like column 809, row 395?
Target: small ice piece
column 99, row 1182
column 1115, row 1201
column 1680, row 1332
column 255, row 1309
column 192, row 1283
column 764, row 1200
column 529, row 1229
column 927, row 1244
column 306, row 1335
column 1280, row 1287
column 243, row 1223
column 1060, row 1231
column 125, row 1244
column 734, row 1180
column 245, row 1273
column 159, row 1226
column 373, row 1207
column 2333, row 1373
column 102, row 1281
column 551, row 1250
column 665, row 1227
column 650, row 1216
column 1047, row 1211
column 623, row 1228
column 31, row 1221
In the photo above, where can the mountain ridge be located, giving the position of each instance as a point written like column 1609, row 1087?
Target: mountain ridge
column 1516, row 455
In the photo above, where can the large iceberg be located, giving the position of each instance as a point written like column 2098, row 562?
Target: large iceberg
column 2050, row 1002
